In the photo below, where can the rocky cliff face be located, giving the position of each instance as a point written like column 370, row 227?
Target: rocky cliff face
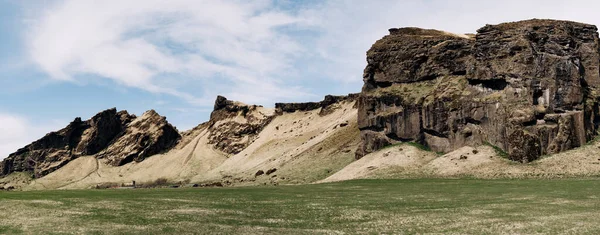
column 529, row 87
column 145, row 136
column 107, row 134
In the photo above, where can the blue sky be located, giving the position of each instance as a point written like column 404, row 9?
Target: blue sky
column 61, row 59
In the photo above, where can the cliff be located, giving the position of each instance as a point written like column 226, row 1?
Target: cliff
column 528, row 87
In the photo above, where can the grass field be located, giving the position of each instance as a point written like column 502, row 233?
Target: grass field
column 363, row 206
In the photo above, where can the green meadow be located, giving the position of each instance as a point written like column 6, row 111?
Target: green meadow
column 402, row 206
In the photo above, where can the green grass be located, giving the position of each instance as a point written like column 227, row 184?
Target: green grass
column 594, row 140
column 419, row 146
column 409, row 206
column 498, row 150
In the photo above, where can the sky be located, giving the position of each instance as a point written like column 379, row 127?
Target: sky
column 61, row 59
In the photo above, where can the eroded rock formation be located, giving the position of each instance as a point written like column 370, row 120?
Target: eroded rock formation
column 145, row 136
column 528, row 87
column 234, row 125
column 108, row 133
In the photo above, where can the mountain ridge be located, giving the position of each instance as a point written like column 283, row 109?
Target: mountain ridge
column 515, row 91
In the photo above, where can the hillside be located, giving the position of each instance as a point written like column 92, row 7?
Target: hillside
column 290, row 144
column 516, row 100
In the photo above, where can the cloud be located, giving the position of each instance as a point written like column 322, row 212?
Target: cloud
column 253, row 51
column 18, row 131
column 163, row 47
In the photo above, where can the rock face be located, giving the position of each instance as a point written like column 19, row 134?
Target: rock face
column 528, row 87
column 101, row 136
column 145, row 136
column 234, row 125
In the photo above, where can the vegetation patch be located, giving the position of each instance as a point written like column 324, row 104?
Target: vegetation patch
column 419, row 146
column 497, row 149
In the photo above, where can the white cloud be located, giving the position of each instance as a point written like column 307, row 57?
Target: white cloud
column 195, row 50
column 142, row 43
column 18, row 131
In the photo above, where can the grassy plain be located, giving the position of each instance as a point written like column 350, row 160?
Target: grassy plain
column 402, row 206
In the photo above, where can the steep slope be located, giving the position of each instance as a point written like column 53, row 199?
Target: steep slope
column 528, row 87
column 300, row 143
column 305, row 143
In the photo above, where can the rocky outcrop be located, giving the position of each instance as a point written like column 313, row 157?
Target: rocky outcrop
column 529, row 87
column 145, row 136
column 105, row 126
column 293, row 107
column 56, row 149
column 117, row 136
column 327, row 102
column 234, row 125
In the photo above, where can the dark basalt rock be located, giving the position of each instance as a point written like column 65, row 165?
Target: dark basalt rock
column 308, row 106
column 528, row 87
column 293, row 107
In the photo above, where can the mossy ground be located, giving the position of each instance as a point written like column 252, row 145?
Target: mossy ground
column 365, row 206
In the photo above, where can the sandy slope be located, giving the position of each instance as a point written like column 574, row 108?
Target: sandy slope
column 402, row 158
column 482, row 162
column 176, row 165
column 287, row 142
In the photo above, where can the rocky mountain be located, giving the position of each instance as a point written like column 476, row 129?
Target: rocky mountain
column 528, row 87
column 117, row 136
column 240, row 145
column 238, row 138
